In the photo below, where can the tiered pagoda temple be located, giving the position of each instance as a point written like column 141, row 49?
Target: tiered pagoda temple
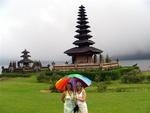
column 25, row 61
column 24, row 65
column 83, row 52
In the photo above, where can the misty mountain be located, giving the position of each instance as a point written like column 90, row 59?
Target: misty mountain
column 138, row 55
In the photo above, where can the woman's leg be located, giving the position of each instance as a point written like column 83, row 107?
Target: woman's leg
column 83, row 110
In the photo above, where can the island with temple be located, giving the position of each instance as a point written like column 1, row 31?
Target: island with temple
column 24, row 65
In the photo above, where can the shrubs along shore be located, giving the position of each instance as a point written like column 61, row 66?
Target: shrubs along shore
column 101, row 75
column 101, row 79
column 129, row 74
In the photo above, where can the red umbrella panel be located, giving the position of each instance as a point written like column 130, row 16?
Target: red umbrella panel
column 60, row 85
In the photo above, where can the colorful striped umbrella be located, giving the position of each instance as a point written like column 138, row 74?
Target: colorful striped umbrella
column 73, row 79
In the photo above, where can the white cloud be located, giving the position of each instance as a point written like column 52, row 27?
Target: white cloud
column 46, row 27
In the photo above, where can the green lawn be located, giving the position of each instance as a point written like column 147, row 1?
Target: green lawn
column 22, row 95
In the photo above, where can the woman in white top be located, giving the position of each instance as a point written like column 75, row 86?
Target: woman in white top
column 68, row 99
column 81, row 98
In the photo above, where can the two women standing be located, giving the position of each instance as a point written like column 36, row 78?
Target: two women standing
column 71, row 99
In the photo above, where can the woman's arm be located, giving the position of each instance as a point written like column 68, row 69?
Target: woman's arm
column 83, row 98
column 84, row 95
column 63, row 97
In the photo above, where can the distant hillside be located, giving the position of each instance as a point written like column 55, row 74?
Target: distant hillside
column 134, row 56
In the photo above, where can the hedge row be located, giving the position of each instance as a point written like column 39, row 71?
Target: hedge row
column 91, row 74
column 15, row 75
column 148, row 78
column 135, row 78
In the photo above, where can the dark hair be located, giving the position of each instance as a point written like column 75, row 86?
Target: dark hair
column 70, row 85
column 79, row 84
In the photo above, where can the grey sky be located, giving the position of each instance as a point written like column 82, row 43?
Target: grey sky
column 46, row 27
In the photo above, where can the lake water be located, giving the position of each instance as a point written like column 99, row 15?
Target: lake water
column 143, row 64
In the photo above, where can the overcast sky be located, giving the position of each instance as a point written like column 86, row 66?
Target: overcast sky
column 47, row 27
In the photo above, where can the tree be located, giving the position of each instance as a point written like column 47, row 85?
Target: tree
column 107, row 59
column 101, row 58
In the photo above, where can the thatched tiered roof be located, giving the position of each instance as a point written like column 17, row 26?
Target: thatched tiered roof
column 83, row 43
column 25, row 56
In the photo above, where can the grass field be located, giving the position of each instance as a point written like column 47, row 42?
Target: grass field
column 22, row 95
